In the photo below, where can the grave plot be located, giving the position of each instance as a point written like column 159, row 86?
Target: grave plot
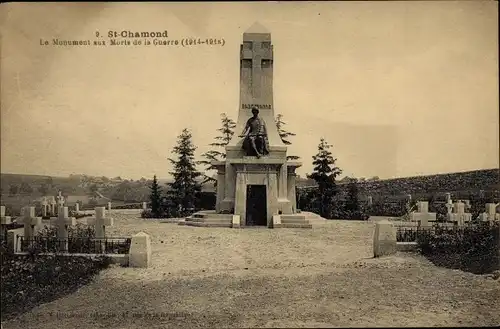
column 62, row 235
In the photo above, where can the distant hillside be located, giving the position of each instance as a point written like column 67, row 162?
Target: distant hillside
column 460, row 184
column 128, row 190
column 488, row 179
column 37, row 185
column 80, row 185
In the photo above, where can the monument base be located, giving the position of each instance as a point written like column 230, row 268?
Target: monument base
column 209, row 218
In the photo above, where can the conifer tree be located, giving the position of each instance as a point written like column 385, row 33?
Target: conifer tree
column 226, row 133
column 155, row 197
column 284, row 134
column 324, row 174
column 185, row 188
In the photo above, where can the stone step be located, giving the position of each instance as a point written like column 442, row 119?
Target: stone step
column 292, row 217
column 202, row 224
column 209, row 220
column 194, row 219
column 228, row 222
column 294, row 220
column 294, row 225
column 194, row 223
column 211, row 215
column 222, row 216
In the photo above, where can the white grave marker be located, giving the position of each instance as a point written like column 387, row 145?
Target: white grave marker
column 100, row 221
column 422, row 215
column 490, row 214
column 467, row 204
column 45, row 205
column 449, row 204
column 62, row 222
column 53, row 207
column 60, row 201
column 459, row 216
column 30, row 222
column 5, row 220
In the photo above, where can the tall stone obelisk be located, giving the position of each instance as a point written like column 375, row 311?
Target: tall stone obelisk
column 239, row 176
column 256, row 83
column 254, row 190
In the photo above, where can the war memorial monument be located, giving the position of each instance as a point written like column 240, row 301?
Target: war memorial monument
column 255, row 183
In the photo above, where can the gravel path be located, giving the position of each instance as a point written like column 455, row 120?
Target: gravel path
column 324, row 277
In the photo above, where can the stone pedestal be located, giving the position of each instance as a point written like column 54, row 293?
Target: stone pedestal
column 277, row 175
column 251, row 173
column 384, row 239
column 140, row 251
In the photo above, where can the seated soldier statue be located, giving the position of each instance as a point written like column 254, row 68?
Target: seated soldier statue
column 255, row 134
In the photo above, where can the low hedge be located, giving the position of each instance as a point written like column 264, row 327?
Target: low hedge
column 168, row 213
column 148, row 213
column 128, row 206
column 28, row 281
column 473, row 248
column 350, row 214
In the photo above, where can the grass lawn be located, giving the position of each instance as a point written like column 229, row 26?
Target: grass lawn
column 324, row 277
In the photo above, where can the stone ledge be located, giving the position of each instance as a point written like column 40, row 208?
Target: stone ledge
column 293, row 216
column 257, row 161
column 271, row 148
column 406, row 246
column 294, row 225
column 294, row 221
column 209, row 220
column 208, row 224
column 161, row 220
column 254, row 159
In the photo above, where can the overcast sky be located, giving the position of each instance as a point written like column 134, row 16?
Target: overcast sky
column 398, row 88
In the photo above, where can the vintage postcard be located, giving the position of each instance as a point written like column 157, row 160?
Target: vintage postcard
column 249, row 164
